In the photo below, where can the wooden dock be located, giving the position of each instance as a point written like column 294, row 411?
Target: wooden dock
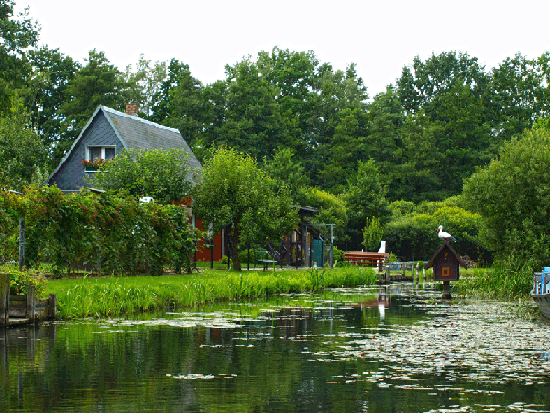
column 24, row 309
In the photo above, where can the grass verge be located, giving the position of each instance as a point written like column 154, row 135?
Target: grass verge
column 115, row 296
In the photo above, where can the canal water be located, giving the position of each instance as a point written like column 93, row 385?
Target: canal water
column 372, row 349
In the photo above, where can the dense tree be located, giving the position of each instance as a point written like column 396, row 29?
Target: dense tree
column 448, row 132
column 97, row 83
column 286, row 170
column 519, row 94
column 341, row 128
column 294, row 75
column 252, row 119
column 188, row 109
column 16, row 37
column 162, row 104
column 52, row 71
column 422, row 82
column 365, row 199
column 22, row 154
column 145, row 83
column 235, row 191
column 511, row 194
column 164, row 175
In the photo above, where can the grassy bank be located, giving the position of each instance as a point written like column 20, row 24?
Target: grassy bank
column 496, row 283
column 114, row 296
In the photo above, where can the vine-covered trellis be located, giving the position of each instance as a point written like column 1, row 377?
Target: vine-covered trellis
column 102, row 232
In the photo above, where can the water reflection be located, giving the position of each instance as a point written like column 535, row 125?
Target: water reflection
column 376, row 349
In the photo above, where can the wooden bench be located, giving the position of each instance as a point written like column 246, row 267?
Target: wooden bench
column 369, row 259
column 262, row 257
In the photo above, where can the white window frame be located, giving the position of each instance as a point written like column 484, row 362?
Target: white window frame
column 103, row 147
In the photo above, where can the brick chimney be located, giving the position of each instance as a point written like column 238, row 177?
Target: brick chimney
column 132, row 109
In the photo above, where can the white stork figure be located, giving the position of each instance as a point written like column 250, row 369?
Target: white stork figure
column 444, row 235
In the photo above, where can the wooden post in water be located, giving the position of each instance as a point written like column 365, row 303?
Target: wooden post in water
column 413, row 271
column 52, row 306
column 4, row 299
column 30, row 303
column 418, row 273
column 387, row 274
column 446, row 293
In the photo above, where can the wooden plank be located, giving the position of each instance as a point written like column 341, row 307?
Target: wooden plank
column 17, row 312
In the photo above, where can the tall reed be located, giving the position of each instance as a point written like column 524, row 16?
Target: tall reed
column 114, row 296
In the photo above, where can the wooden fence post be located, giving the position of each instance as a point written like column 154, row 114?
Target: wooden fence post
column 21, row 243
column 4, row 299
column 30, row 303
column 52, row 306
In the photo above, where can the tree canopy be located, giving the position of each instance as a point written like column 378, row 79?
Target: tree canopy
column 235, row 192
column 511, row 195
column 309, row 125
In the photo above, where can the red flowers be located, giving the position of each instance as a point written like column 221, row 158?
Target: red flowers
column 94, row 163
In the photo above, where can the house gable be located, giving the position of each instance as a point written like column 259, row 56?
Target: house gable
column 110, row 128
column 69, row 175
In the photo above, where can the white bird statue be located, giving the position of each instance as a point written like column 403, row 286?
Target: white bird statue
column 444, row 235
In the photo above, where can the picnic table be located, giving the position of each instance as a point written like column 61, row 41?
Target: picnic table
column 370, row 259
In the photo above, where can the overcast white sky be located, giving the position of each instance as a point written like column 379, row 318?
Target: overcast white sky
column 380, row 36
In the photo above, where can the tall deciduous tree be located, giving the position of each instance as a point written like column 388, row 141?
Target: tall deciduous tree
column 22, row 154
column 511, row 194
column 519, row 93
column 97, row 83
column 286, row 170
column 16, row 37
column 365, row 199
column 449, row 131
column 52, row 71
column 252, row 118
column 235, row 191
column 145, row 83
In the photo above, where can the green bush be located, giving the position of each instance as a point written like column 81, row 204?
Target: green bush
column 20, row 279
column 243, row 256
column 337, row 255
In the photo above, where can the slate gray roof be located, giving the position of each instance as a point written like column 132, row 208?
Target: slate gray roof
column 137, row 133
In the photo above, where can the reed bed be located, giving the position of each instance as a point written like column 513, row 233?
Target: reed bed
column 115, row 296
column 495, row 282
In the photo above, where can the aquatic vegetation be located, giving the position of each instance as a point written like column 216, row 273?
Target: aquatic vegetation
column 495, row 282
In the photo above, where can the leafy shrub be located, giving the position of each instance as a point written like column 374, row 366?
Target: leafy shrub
column 73, row 231
column 243, row 256
column 337, row 255
column 20, row 279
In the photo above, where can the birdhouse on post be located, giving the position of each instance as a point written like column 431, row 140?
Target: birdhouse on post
column 446, row 263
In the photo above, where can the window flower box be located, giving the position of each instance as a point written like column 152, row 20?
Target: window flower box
column 92, row 165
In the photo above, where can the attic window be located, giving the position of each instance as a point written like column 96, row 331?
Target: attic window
column 100, row 152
